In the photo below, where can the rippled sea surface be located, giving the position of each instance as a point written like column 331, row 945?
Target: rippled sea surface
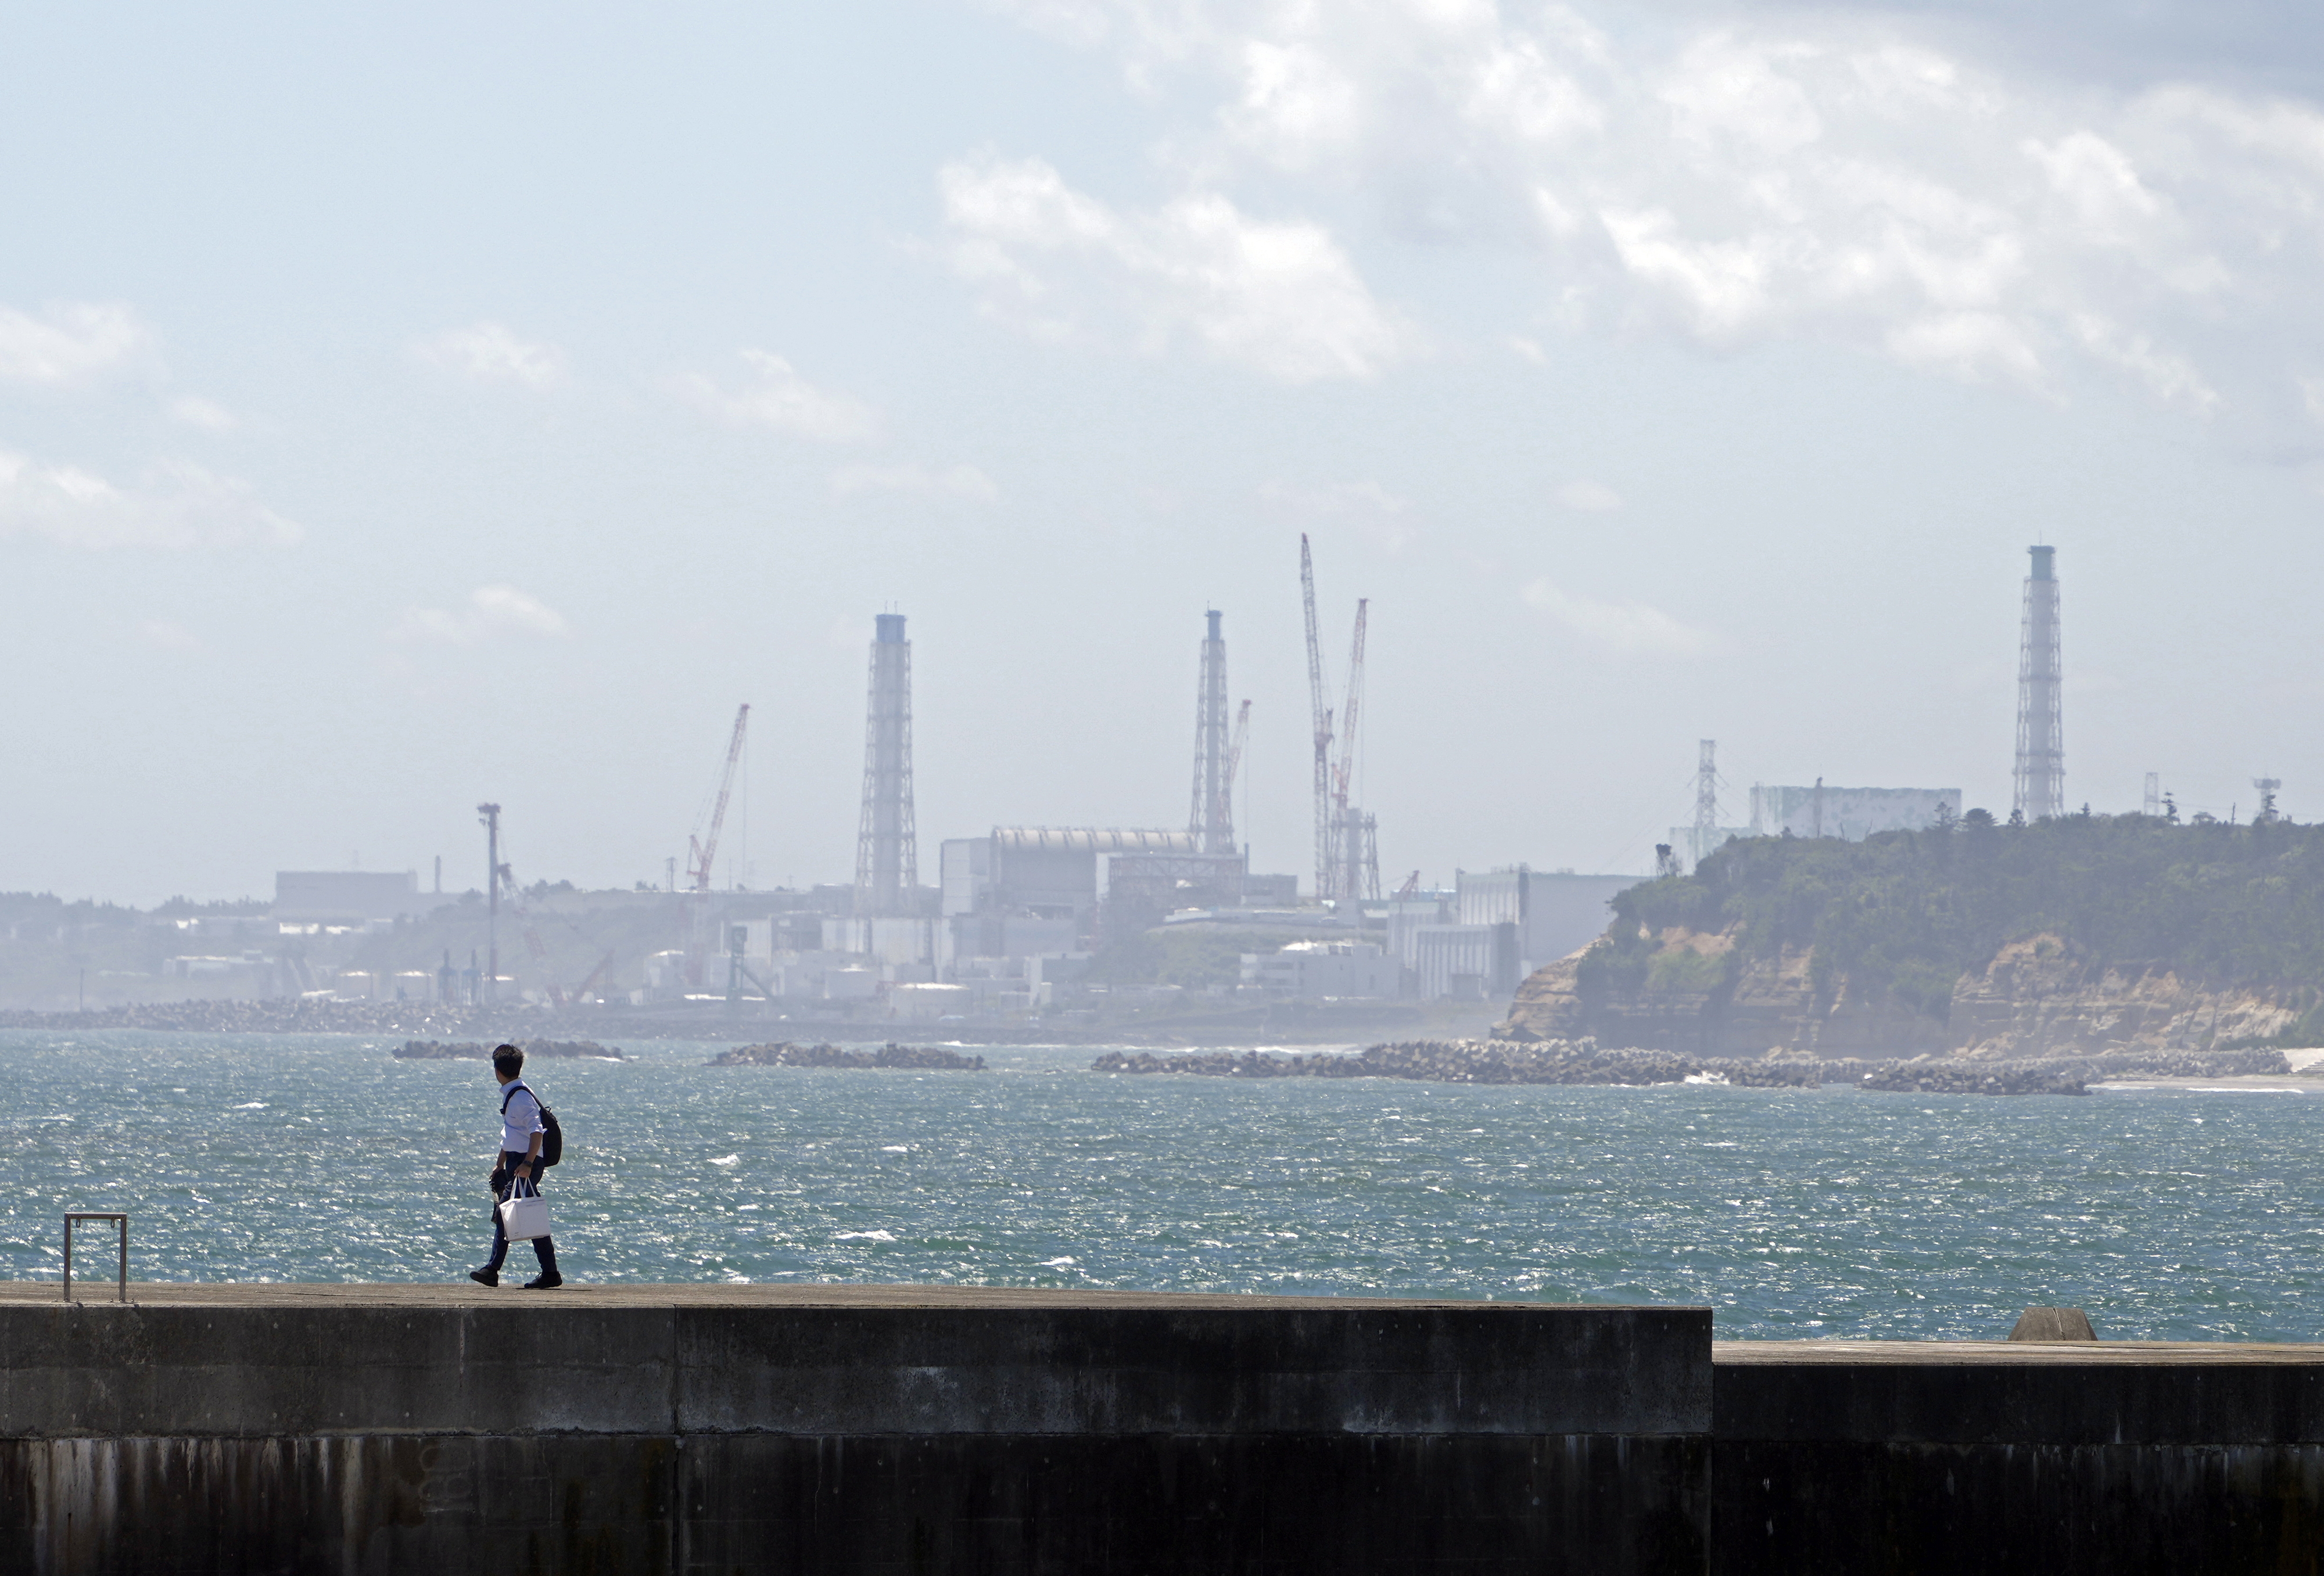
column 2168, row 1215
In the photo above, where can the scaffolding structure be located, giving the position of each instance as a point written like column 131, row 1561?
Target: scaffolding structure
column 887, row 842
column 1211, row 817
column 2040, row 775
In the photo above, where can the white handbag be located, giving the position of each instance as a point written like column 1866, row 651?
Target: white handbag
column 523, row 1216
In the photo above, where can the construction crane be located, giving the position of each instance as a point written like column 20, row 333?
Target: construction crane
column 1411, row 885
column 1359, row 873
column 702, row 854
column 704, row 849
column 1327, row 828
column 581, row 992
column 1347, row 767
column 1234, row 752
column 505, row 879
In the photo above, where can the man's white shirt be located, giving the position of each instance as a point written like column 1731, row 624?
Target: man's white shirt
column 520, row 1120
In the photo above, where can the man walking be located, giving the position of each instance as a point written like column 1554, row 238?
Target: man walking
column 517, row 1169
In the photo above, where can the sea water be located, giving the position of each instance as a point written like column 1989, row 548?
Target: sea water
column 1793, row 1213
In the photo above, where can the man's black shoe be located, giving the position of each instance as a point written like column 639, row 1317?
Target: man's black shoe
column 549, row 1282
column 485, row 1277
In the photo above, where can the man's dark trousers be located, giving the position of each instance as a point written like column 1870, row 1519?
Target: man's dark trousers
column 542, row 1248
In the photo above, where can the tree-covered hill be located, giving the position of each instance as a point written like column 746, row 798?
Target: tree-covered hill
column 1901, row 917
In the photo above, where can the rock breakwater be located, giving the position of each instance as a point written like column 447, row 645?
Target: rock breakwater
column 783, row 1053
column 1583, row 1061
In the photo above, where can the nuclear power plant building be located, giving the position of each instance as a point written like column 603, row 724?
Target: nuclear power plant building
column 1849, row 814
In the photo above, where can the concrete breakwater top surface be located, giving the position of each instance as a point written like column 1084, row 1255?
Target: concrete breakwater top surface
column 1791, row 1212
column 99, row 1295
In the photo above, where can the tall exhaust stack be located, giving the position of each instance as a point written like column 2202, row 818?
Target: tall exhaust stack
column 1211, row 819
column 2041, row 741
column 887, row 845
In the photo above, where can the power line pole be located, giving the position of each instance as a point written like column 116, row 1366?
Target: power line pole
column 1706, row 799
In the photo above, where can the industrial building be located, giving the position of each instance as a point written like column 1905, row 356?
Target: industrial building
column 348, row 897
column 1817, row 810
column 1026, row 889
column 1323, row 970
column 1478, row 940
column 1849, row 814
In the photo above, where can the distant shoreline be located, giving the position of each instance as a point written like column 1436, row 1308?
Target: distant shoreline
column 1288, row 1025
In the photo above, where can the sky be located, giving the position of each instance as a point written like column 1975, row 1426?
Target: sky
column 400, row 411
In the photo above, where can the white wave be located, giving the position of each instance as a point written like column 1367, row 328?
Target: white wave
column 254, row 1105
column 727, row 1160
column 1059, row 1263
column 865, row 1237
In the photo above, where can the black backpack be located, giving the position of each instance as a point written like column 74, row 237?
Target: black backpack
column 552, row 1136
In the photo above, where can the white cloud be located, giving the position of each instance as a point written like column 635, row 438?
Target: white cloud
column 492, row 353
column 1814, row 174
column 491, row 610
column 1619, row 626
column 1967, row 344
column 206, row 414
column 1379, row 514
column 1590, row 497
column 950, row 481
column 777, row 398
column 165, row 635
column 1277, row 297
column 71, row 342
column 183, row 506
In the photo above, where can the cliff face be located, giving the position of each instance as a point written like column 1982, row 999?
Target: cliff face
column 2039, row 996
column 2042, row 997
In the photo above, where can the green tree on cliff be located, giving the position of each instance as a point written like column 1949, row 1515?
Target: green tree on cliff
column 1902, row 915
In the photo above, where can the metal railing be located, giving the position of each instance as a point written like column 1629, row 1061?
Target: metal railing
column 121, row 1285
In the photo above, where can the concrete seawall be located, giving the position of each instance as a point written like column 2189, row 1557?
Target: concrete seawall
column 837, row 1429
column 855, row 1430
column 1847, row 1458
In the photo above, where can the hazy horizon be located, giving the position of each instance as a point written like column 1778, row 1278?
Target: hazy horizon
column 398, row 412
